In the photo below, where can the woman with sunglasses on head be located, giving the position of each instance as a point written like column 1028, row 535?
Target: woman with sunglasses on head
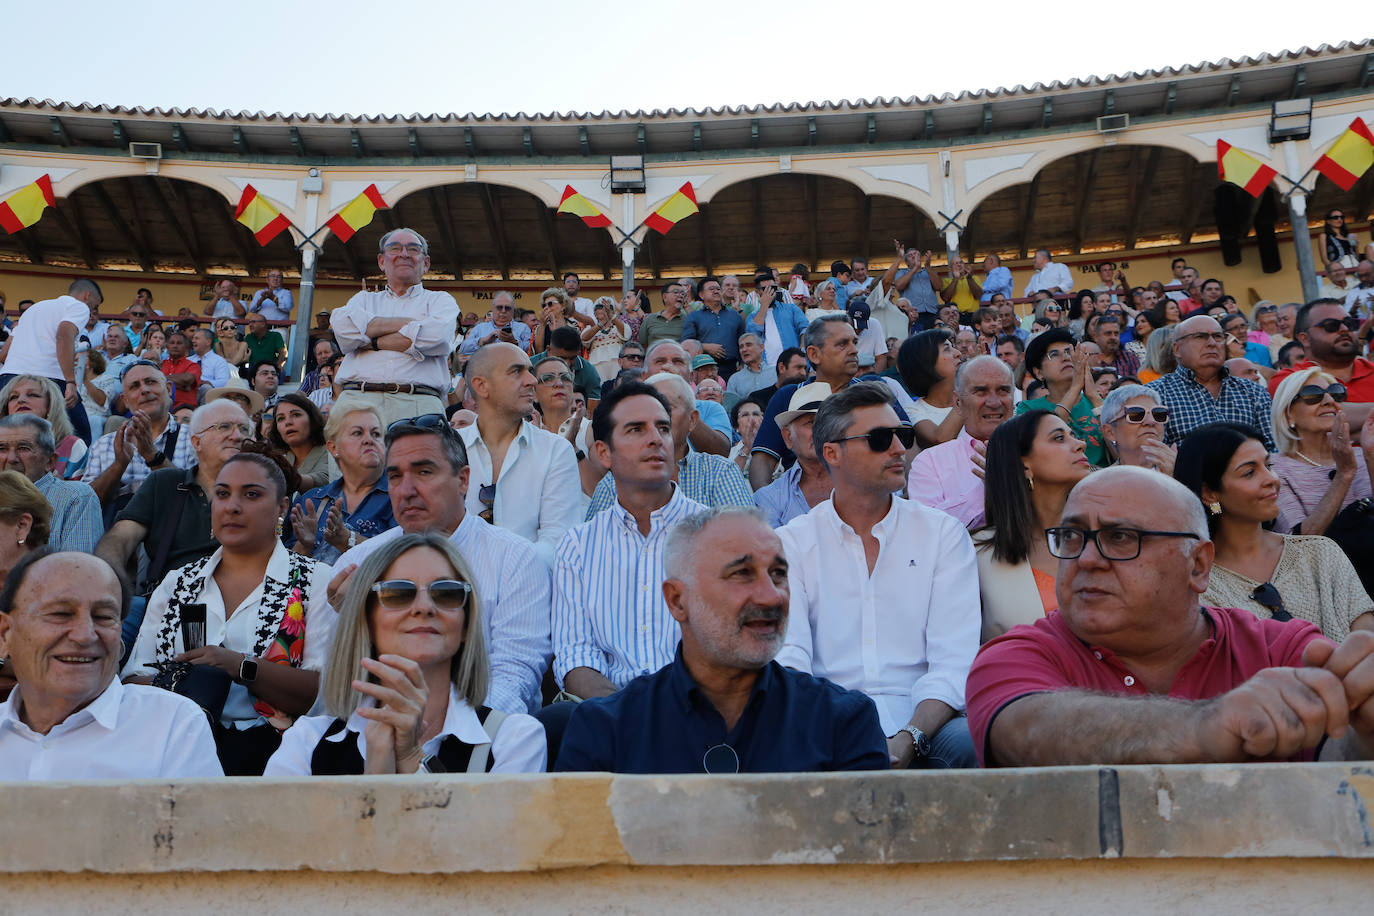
column 1133, row 418
column 265, row 620
column 1269, row 574
column 1033, row 461
column 406, row 677
column 1320, row 471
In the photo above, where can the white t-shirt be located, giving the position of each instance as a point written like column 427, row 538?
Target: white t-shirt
column 33, row 344
column 872, row 344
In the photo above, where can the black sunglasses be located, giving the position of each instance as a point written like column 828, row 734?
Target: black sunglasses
column 135, row 364
column 1269, row 596
column 1313, row 394
column 435, row 422
column 880, row 439
column 1333, row 325
column 486, row 495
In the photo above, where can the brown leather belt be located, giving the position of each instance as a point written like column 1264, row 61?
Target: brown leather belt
column 391, row 388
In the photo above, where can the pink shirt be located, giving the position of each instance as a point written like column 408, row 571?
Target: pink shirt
column 942, row 478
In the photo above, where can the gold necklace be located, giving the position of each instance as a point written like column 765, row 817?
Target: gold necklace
column 1308, row 460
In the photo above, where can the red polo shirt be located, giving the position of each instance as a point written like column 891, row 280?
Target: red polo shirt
column 181, row 396
column 1360, row 387
column 1046, row 656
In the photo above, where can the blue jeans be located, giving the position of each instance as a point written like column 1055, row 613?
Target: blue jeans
column 951, row 748
column 128, row 631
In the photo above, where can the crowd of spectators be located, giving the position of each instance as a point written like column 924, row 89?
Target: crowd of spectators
column 899, row 518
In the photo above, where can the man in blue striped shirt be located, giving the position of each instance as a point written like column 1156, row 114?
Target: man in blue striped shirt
column 27, row 446
column 610, row 621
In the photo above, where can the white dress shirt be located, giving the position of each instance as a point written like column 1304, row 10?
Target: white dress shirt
column 907, row 632
column 214, row 369
column 514, row 589
column 519, row 746
column 539, row 493
column 237, row 630
column 33, row 343
column 1050, row 276
column 608, row 608
column 128, row 732
column 432, row 316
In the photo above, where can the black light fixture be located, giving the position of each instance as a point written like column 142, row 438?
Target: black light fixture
column 1290, row 119
column 627, row 174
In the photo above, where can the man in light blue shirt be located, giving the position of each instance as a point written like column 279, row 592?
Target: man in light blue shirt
column 214, row 369
column 501, row 326
column 916, row 284
column 996, row 279
column 274, row 302
column 806, row 483
column 27, row 446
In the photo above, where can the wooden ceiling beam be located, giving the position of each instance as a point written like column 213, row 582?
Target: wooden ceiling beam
column 174, row 223
column 813, row 206
column 448, row 236
column 76, row 232
column 545, row 217
column 1087, row 178
column 122, row 228
column 496, row 226
column 1029, row 200
column 1141, row 192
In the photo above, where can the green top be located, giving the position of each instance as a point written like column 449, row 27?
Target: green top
column 655, row 327
column 267, row 348
column 1084, row 425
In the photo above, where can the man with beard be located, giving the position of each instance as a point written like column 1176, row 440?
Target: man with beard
column 722, row 705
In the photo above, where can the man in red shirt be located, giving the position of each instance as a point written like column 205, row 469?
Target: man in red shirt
column 1329, row 335
column 181, row 372
column 1132, row 670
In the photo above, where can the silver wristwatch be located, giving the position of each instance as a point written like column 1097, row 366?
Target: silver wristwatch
column 919, row 739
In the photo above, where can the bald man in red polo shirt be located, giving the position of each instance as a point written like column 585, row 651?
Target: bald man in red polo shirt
column 1132, row 669
column 1333, row 340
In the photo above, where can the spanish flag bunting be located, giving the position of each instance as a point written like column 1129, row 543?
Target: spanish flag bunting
column 579, row 206
column 25, row 207
column 1243, row 169
column 675, row 209
column 357, row 213
column 1349, row 157
column 264, row 220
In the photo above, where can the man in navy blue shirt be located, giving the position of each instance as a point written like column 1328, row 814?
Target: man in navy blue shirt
column 717, row 327
column 723, row 705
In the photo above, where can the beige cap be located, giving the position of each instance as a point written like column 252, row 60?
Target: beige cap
column 806, row 399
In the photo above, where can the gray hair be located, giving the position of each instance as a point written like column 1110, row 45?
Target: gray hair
column 659, row 344
column 200, row 417
column 469, row 670
column 832, row 419
column 632, row 345
column 503, row 292
column 679, row 386
column 1159, row 350
column 45, row 440
column 748, row 336
column 454, row 450
column 817, row 332
column 1114, row 404
column 1189, row 506
column 424, row 245
column 679, row 549
column 978, row 361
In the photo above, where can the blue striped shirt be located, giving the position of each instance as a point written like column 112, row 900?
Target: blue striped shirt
column 608, row 609
column 76, row 520
column 708, row 479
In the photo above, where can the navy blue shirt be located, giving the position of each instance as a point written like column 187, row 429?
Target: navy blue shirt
column 369, row 519
column 664, row 723
column 723, row 327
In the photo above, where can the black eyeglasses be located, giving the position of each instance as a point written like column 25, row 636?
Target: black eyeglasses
column 1334, row 325
column 1313, row 394
column 486, row 495
column 1066, row 542
column 1137, row 414
column 1269, row 596
column 398, row 594
column 435, row 422
column 880, row 438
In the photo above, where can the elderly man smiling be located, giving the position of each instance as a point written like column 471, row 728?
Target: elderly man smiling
column 723, row 705
column 68, row 716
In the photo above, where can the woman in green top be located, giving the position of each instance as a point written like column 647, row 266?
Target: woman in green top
column 1053, row 358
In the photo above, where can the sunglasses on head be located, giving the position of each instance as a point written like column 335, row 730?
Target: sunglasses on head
column 1313, row 394
column 880, row 438
column 398, row 594
column 430, row 421
column 1334, row 325
column 1137, row 414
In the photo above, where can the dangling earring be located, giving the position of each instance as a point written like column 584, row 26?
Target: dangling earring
column 1214, row 508
column 279, row 528
column 1030, row 482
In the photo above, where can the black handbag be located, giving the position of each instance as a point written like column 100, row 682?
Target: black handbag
column 207, row 685
column 1353, row 531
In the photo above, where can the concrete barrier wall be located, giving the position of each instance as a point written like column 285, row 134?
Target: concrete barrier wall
column 1229, row 839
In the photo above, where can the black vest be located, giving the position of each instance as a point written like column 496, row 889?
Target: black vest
column 342, row 758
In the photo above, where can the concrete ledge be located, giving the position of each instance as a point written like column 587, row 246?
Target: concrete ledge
column 457, row 824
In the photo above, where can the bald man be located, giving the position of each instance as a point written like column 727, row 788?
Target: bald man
column 1132, row 669
column 1201, row 390
column 524, row 479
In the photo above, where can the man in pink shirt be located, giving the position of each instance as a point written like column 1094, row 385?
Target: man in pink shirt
column 949, row 476
column 1131, row 669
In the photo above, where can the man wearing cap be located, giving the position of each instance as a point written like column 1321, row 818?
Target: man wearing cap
column 872, row 344
column 806, row 483
column 717, row 328
column 396, row 341
column 237, row 391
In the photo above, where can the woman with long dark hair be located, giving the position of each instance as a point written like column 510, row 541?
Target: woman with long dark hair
column 1269, row 574
column 927, row 362
column 1033, row 461
column 1340, row 243
column 298, row 433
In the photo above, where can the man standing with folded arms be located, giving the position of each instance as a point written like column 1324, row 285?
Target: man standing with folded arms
column 396, row 341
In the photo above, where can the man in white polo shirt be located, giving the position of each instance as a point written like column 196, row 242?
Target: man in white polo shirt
column 44, row 343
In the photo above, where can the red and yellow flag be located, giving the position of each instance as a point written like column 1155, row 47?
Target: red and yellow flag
column 1349, row 157
column 25, row 207
column 675, row 209
column 357, row 213
column 265, row 220
column 1243, row 169
column 580, row 206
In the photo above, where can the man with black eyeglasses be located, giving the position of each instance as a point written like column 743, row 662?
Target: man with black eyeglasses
column 397, row 340
column 1133, row 670
column 1201, row 391
column 1332, row 341
column 884, row 591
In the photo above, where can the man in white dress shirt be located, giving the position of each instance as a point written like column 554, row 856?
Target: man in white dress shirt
column 884, row 590
column 214, row 369
column 427, row 481
column 69, row 717
column 396, row 342
column 526, row 479
column 1049, row 276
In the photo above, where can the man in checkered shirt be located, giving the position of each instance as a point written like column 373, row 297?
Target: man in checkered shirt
column 151, row 439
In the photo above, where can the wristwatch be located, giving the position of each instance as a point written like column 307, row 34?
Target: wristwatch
column 248, row 669
column 372, row 341
column 159, row 457
column 919, row 739
column 432, row 764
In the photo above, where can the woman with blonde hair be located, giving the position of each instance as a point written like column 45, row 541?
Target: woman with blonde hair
column 604, row 339
column 557, row 309
column 40, row 396
column 405, row 682
column 1159, row 354
column 24, row 519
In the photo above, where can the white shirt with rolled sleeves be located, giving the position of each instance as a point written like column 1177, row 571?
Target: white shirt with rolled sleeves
column 128, row 732
column 515, row 592
column 432, row 316
column 539, row 493
column 906, row 633
column 33, row 343
column 1048, row 277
